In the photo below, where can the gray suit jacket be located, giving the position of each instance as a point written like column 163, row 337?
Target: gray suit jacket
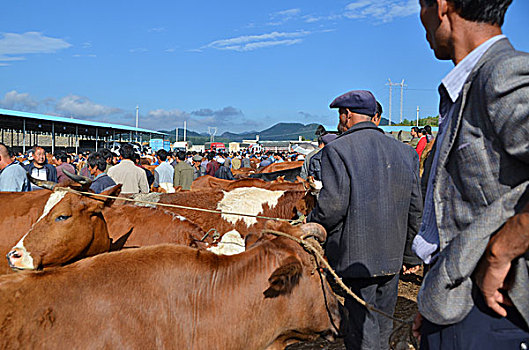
column 482, row 179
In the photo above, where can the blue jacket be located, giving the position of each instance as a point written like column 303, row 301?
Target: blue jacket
column 101, row 183
column 51, row 172
column 370, row 203
column 13, row 178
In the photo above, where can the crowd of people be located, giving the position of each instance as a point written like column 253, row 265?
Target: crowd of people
column 162, row 171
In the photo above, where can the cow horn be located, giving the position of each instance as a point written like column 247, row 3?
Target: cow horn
column 83, row 180
column 315, row 230
column 49, row 185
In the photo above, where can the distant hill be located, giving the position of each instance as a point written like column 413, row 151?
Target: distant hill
column 278, row 132
column 384, row 122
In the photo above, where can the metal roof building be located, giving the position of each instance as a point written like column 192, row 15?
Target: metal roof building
column 28, row 127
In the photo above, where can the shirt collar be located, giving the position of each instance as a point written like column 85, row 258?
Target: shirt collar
column 100, row 175
column 455, row 80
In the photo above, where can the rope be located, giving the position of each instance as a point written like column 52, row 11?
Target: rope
column 171, row 205
column 311, row 248
column 305, row 244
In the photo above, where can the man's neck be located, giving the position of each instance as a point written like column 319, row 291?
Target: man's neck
column 37, row 165
column 467, row 36
column 4, row 164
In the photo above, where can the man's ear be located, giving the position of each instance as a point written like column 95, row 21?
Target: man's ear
column 442, row 8
column 284, row 278
column 376, row 119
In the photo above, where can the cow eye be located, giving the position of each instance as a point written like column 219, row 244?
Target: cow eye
column 62, row 218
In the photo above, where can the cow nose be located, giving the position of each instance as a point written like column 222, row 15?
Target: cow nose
column 19, row 259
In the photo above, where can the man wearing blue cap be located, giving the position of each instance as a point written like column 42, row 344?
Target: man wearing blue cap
column 370, row 205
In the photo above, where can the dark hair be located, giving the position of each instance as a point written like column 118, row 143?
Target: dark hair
column 136, row 158
column 127, row 151
column 414, row 128
column 106, row 154
column 181, row 155
column 379, row 109
column 62, row 156
column 96, row 159
column 422, row 131
column 483, row 11
column 162, row 154
column 428, row 129
column 8, row 150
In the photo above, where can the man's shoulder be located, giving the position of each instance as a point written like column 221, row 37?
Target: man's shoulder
column 501, row 59
column 50, row 167
column 14, row 169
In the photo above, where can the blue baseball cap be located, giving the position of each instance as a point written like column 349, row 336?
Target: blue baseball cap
column 357, row 101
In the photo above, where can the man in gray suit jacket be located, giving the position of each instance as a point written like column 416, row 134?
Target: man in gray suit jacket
column 370, row 205
column 475, row 229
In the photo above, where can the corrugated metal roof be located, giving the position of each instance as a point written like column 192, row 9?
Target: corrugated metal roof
column 53, row 118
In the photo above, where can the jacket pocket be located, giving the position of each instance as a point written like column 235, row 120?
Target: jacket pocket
column 473, row 171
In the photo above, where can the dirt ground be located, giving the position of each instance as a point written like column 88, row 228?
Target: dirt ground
column 406, row 308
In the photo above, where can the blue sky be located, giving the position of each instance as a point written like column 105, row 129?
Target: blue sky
column 236, row 65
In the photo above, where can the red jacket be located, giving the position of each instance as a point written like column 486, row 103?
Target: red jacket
column 420, row 146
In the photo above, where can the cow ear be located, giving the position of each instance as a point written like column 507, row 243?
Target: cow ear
column 114, row 192
column 101, row 202
column 284, row 278
column 251, row 239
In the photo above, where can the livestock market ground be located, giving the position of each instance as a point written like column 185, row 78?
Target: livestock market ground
column 406, row 308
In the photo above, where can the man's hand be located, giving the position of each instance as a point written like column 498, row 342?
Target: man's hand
column 416, row 327
column 490, row 276
column 511, row 241
column 411, row 269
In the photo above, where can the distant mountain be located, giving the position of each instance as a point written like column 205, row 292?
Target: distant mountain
column 278, row 132
column 384, row 122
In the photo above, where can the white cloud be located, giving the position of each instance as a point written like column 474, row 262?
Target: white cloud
column 227, row 118
column 18, row 101
column 157, row 30
column 383, row 10
column 252, row 42
column 176, row 114
column 138, row 50
column 278, row 18
column 78, row 106
column 13, row 45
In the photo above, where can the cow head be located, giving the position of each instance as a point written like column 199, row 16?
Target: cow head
column 71, row 227
column 310, row 308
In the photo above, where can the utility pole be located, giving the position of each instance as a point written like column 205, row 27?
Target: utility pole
column 417, row 116
column 212, row 130
column 137, row 110
column 390, row 93
column 402, row 85
column 185, row 130
column 401, row 97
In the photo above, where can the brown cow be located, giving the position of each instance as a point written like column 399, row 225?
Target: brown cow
column 59, row 241
column 280, row 166
column 172, row 297
column 210, row 182
column 242, row 173
column 245, row 200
